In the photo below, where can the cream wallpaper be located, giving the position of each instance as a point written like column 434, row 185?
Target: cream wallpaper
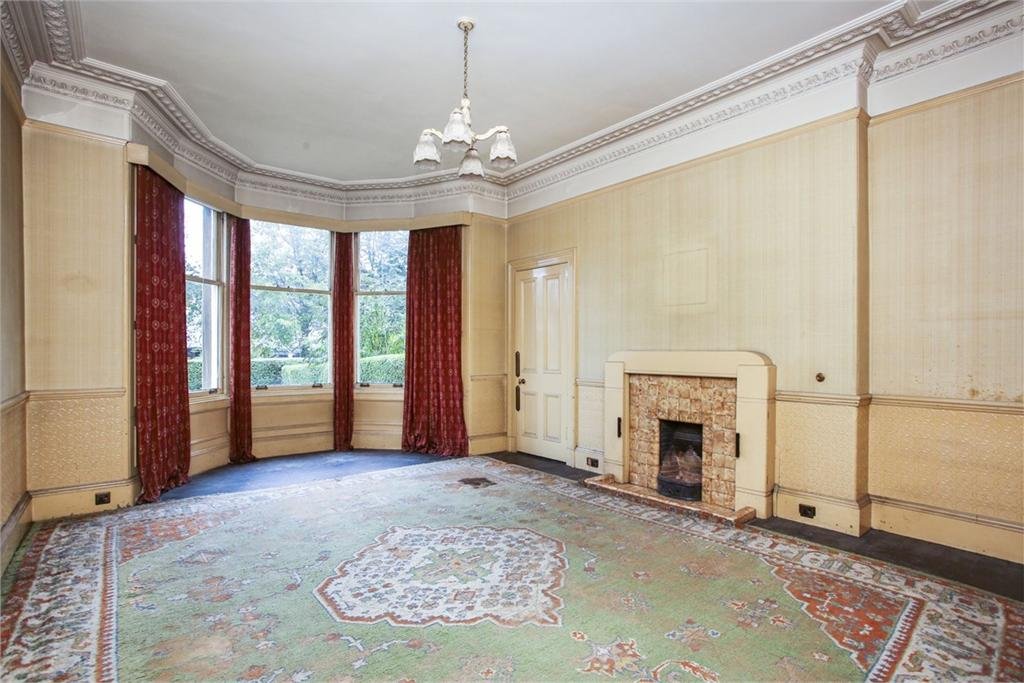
column 12, row 270
column 12, row 312
column 963, row 460
column 820, row 448
column 947, row 318
column 77, row 322
column 947, row 243
column 12, row 457
column 752, row 249
column 767, row 234
column 484, row 332
column 77, row 284
column 77, row 437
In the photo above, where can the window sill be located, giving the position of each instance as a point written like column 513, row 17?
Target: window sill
column 201, row 403
column 379, row 392
column 292, row 394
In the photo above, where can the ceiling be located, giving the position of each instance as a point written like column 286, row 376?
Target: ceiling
column 342, row 90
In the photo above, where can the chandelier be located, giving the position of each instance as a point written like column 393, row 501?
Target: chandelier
column 458, row 135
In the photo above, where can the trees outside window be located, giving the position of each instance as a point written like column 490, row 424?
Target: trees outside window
column 204, row 296
column 380, row 306
column 291, row 305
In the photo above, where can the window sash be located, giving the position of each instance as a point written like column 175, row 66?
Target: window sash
column 357, row 272
column 330, row 326
column 296, row 290
column 215, row 342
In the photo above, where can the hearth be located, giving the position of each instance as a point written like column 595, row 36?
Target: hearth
column 680, row 459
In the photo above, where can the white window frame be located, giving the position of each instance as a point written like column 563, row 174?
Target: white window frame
column 357, row 292
column 329, row 292
column 217, row 245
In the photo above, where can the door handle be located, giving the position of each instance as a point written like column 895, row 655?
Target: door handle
column 517, row 364
column 522, row 380
column 517, row 399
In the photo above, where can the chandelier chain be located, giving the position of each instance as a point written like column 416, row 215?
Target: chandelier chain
column 465, row 62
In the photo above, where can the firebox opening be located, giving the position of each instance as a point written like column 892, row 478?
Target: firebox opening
column 680, row 454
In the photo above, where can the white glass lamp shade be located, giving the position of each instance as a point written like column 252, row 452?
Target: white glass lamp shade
column 427, row 156
column 471, row 164
column 503, row 152
column 457, row 135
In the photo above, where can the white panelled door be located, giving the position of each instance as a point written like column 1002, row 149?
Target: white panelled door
column 543, row 312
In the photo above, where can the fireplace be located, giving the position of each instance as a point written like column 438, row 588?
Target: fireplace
column 680, row 459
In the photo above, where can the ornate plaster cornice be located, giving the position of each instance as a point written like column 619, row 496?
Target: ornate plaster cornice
column 49, row 33
column 1006, row 27
column 14, row 39
column 698, row 121
column 892, row 25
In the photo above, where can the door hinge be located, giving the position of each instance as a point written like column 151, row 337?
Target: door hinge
column 618, row 427
column 737, row 445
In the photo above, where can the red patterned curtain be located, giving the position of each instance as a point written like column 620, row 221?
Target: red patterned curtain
column 238, row 326
column 161, row 373
column 433, row 418
column 343, row 331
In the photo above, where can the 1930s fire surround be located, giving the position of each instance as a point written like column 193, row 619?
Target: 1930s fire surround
column 754, row 376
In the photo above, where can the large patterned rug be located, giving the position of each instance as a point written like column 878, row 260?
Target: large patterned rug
column 473, row 569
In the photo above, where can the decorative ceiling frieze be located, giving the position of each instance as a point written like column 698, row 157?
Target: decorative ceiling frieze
column 45, row 44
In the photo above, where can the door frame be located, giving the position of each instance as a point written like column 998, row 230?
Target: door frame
column 554, row 258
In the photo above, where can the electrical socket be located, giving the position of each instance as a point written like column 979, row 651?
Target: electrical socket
column 592, row 462
column 103, row 498
column 807, row 510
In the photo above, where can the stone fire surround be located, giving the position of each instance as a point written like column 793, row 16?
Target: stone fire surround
column 707, row 401
column 754, row 375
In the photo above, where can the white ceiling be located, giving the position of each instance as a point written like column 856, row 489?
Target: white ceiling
column 342, row 90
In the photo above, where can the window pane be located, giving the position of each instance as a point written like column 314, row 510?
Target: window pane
column 383, row 257
column 290, row 338
column 202, row 325
column 200, row 241
column 382, row 339
column 290, row 256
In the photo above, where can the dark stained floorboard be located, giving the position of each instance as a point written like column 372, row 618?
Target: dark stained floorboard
column 998, row 576
column 988, row 573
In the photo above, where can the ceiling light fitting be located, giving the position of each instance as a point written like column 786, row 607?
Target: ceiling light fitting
column 458, row 135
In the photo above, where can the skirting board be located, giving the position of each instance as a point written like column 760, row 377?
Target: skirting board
column 14, row 529
column 580, row 456
column 81, row 500
column 851, row 517
column 208, row 460
column 292, row 444
column 490, row 443
column 994, row 538
column 377, row 439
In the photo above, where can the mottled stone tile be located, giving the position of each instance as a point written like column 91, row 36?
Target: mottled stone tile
column 709, row 401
